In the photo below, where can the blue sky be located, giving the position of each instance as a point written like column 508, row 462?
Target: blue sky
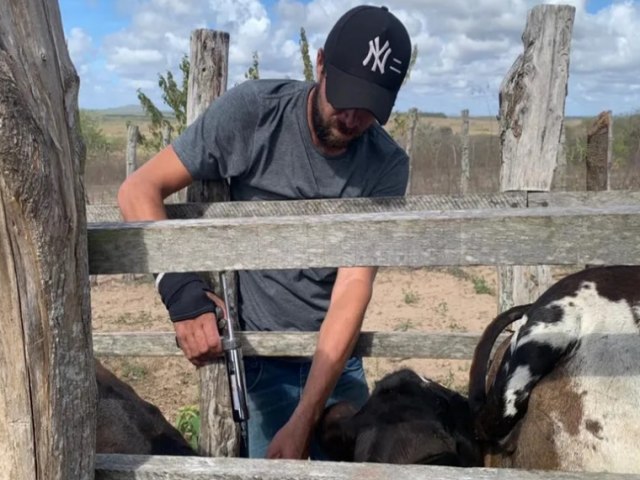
column 465, row 48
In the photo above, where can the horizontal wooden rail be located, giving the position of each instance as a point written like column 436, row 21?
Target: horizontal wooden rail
column 111, row 213
column 131, row 467
column 458, row 346
column 518, row 236
column 583, row 199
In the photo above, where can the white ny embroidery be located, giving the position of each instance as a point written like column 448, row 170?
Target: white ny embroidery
column 379, row 56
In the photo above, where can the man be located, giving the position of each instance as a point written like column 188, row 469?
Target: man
column 281, row 140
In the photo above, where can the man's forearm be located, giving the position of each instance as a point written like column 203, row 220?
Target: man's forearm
column 139, row 202
column 337, row 337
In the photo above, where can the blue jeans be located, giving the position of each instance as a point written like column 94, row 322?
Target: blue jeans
column 274, row 388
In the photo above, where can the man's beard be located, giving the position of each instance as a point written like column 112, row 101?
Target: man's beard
column 323, row 128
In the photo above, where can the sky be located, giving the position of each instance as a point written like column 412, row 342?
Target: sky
column 465, row 47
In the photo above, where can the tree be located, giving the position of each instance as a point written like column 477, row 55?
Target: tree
column 254, row 70
column 402, row 124
column 175, row 96
column 306, row 59
column 412, row 62
column 95, row 140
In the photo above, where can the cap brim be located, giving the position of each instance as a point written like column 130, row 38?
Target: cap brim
column 348, row 91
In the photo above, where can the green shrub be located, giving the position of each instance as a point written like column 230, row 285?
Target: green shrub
column 188, row 424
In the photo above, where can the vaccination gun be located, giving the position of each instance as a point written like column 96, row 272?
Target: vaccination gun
column 235, row 370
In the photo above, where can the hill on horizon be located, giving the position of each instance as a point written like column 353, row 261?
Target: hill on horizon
column 124, row 111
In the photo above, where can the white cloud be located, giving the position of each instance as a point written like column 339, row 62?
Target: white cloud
column 465, row 47
column 123, row 58
column 80, row 44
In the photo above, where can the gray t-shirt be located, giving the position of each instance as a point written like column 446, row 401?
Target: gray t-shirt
column 256, row 136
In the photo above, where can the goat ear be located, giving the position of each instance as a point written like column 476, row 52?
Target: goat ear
column 335, row 433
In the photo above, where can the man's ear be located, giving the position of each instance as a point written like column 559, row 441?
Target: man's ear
column 319, row 64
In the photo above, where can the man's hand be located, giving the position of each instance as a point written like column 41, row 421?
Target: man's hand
column 292, row 440
column 199, row 338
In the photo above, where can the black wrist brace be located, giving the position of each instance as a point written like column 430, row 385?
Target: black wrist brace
column 184, row 295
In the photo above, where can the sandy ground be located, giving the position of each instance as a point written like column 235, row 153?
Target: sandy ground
column 439, row 300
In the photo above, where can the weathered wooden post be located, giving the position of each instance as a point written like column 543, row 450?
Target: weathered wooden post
column 132, row 147
column 131, row 160
column 532, row 98
column 599, row 153
column 47, row 393
column 414, row 117
column 207, row 81
column 464, row 161
column 559, row 182
column 166, row 140
column 166, row 134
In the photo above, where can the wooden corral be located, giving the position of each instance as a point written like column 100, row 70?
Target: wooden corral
column 401, row 231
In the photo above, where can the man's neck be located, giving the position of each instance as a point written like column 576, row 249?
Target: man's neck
column 330, row 152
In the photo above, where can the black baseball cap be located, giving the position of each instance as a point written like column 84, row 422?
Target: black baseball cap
column 367, row 54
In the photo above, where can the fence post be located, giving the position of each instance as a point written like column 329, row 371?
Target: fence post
column 132, row 145
column 464, row 162
column 207, row 81
column 559, row 182
column 414, row 117
column 532, row 98
column 599, row 149
column 47, row 398
column 166, row 135
column 166, row 140
column 131, row 159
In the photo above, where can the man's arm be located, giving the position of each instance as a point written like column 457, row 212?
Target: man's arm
column 140, row 198
column 338, row 335
column 141, row 195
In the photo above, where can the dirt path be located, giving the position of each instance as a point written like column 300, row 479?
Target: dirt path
column 443, row 300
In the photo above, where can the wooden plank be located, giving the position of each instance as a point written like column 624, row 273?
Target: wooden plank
column 465, row 170
column 598, row 154
column 584, row 199
column 534, row 236
column 111, row 213
column 130, row 467
column 219, row 435
column 532, row 98
column 414, row 119
column 47, row 382
column 456, row 346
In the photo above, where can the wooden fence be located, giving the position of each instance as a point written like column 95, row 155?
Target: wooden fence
column 509, row 228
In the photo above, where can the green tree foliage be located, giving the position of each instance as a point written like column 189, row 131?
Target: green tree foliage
column 95, row 140
column 412, row 62
column 306, row 59
column 174, row 95
column 254, row 70
column 400, row 122
column 626, row 139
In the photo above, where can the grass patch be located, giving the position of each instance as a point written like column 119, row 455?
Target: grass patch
column 134, row 371
column 442, row 309
column 411, row 297
column 137, row 318
column 404, row 325
column 481, row 287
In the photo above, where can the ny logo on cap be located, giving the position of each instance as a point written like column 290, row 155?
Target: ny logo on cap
column 380, row 56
